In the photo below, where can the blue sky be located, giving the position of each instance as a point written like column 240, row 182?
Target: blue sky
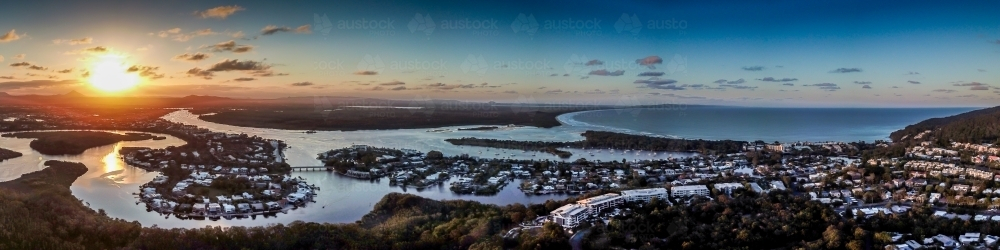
column 787, row 53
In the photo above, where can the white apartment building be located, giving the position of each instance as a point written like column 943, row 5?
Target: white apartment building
column 598, row 203
column 645, row 195
column 690, row 190
column 727, row 187
column 569, row 215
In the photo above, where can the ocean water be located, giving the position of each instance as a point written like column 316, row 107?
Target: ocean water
column 767, row 124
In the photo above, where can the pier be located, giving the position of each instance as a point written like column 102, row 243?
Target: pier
column 312, row 168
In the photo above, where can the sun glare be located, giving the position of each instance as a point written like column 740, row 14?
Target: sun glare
column 109, row 73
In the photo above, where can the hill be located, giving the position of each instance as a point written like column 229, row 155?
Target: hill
column 979, row 126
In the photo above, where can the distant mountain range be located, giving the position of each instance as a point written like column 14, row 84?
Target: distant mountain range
column 978, row 126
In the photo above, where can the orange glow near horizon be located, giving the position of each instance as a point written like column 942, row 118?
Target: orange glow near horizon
column 108, row 73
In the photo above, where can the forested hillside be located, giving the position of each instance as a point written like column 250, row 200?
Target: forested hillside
column 972, row 127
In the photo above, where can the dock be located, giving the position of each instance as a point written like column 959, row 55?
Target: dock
column 312, row 168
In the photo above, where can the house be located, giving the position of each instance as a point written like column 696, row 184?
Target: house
column 946, row 241
column 214, row 208
column 273, row 205
column 243, row 207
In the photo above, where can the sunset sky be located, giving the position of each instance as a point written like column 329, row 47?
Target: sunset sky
column 778, row 53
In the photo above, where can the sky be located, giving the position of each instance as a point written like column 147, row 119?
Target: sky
column 768, row 53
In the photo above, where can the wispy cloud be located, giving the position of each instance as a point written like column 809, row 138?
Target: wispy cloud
column 365, row 72
column 221, row 12
column 10, row 36
column 302, row 84
column 913, row 82
column 772, row 79
column 753, row 68
column 604, row 72
column 650, row 61
column 846, row 70
column 85, row 40
column 273, row 29
column 192, row 57
column 229, row 46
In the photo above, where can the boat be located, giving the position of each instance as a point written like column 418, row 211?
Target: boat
column 310, row 131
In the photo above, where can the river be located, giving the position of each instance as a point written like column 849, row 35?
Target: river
column 109, row 182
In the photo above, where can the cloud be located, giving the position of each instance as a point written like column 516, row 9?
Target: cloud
column 866, row 87
column 980, row 88
column 392, row 83
column 968, row 84
column 10, row 37
column 65, row 71
column 145, row 71
column 221, row 12
column 651, row 74
column 655, row 83
column 968, row 96
column 200, row 73
column 825, row 84
column 913, row 82
column 365, row 73
column 753, row 68
column 788, row 84
column 166, row 33
column 273, row 29
column 944, row 90
column 604, row 72
column 738, row 86
column 85, row 40
column 650, row 61
column 682, row 96
column 244, row 79
column 846, row 70
column 19, row 57
column 442, row 86
column 555, row 91
column 724, row 81
column 398, row 88
column 772, row 79
column 36, row 67
column 304, row 29
column 192, row 57
column 510, row 92
column 237, row 65
column 912, row 73
column 594, row 62
column 301, row 84
column 20, row 64
column 229, row 46
column 7, row 86
column 981, row 70
column 862, row 82
column 91, row 50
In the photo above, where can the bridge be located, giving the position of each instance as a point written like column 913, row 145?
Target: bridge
column 312, row 168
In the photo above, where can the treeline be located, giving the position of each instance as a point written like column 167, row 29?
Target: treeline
column 977, row 126
column 7, row 154
column 602, row 139
column 619, row 141
column 74, row 142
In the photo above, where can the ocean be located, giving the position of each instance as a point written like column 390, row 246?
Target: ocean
column 767, row 124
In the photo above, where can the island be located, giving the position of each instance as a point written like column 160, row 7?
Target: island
column 349, row 118
column 75, row 142
column 609, row 140
column 7, row 154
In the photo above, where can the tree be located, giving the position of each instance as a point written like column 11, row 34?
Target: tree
column 832, row 237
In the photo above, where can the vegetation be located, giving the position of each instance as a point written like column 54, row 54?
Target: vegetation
column 74, row 142
column 601, row 139
column 354, row 118
column 977, row 126
column 7, row 154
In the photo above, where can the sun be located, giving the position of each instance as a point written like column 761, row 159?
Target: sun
column 109, row 73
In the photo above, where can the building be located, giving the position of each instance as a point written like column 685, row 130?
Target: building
column 599, row 203
column 727, row 188
column 691, row 190
column 569, row 215
column 644, row 195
